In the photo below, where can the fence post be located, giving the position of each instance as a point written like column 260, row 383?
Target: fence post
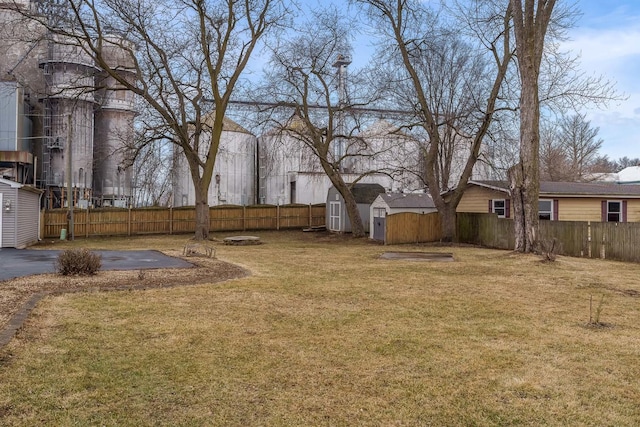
column 278, row 217
column 310, row 217
column 589, row 239
column 88, row 221
column 244, row 218
column 129, row 223
column 170, row 219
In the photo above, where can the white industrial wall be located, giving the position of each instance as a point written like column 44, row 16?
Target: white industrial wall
column 233, row 180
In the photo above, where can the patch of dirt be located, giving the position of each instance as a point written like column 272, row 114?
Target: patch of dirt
column 19, row 296
column 418, row 256
column 627, row 292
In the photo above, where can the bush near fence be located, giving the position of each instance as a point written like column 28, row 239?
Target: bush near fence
column 141, row 221
column 610, row 240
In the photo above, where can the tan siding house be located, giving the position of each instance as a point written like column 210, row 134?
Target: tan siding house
column 561, row 201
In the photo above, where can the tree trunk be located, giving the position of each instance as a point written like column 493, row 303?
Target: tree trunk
column 357, row 226
column 517, row 205
column 448, row 222
column 202, row 214
column 530, row 27
column 529, row 174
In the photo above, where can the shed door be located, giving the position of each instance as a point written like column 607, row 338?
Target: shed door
column 334, row 216
column 379, row 223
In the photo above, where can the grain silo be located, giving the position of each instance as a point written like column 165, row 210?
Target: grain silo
column 68, row 121
column 114, row 125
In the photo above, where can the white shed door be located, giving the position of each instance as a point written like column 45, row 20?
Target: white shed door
column 334, row 216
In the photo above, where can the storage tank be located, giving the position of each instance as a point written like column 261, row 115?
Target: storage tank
column 114, row 125
column 68, row 120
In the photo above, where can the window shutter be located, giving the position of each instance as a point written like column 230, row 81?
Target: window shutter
column 490, row 206
column 624, row 211
column 507, row 208
column 555, row 209
column 604, row 211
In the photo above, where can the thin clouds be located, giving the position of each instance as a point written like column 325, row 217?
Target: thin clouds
column 608, row 41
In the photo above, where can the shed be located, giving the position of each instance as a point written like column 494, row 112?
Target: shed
column 19, row 214
column 336, row 214
column 390, row 203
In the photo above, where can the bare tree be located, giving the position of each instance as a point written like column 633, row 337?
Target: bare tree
column 154, row 165
column 304, row 78
column 553, row 160
column 531, row 19
column 625, row 162
column 188, row 57
column 569, row 150
column 448, row 83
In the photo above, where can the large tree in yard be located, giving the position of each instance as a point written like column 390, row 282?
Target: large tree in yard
column 450, row 76
column 188, row 58
column 314, row 115
column 531, row 20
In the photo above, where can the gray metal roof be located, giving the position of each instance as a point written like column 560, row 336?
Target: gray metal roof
column 573, row 189
column 410, row 200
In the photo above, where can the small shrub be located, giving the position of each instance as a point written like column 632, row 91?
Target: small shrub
column 594, row 319
column 548, row 249
column 80, row 262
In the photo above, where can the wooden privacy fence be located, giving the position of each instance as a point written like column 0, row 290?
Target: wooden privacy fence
column 131, row 222
column 610, row 240
column 409, row 227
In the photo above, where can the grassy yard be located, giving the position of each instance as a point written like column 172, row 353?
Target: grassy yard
column 324, row 333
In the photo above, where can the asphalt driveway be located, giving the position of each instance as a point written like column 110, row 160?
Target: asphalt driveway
column 25, row 262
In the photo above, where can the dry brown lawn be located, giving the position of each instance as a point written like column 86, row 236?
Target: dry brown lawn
column 324, row 332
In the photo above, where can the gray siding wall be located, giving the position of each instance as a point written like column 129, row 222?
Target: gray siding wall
column 28, row 213
column 8, row 217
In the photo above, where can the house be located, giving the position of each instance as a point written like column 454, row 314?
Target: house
column 19, row 214
column 560, row 201
column 391, row 203
column 336, row 214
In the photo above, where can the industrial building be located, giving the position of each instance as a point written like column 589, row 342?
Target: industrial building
column 64, row 123
column 234, row 173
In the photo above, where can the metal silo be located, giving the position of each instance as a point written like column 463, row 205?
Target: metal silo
column 114, row 125
column 68, row 121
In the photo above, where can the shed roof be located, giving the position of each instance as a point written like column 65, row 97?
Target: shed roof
column 408, row 200
column 366, row 193
column 573, row 189
column 13, row 184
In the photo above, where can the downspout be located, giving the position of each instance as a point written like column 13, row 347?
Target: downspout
column 40, row 216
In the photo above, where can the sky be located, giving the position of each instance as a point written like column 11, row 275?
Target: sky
column 607, row 38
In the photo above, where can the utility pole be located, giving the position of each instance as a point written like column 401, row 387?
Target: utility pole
column 69, row 176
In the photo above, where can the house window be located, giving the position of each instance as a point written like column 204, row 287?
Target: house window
column 499, row 207
column 545, row 209
column 614, row 211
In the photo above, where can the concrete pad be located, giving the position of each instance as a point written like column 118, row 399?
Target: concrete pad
column 26, row 262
